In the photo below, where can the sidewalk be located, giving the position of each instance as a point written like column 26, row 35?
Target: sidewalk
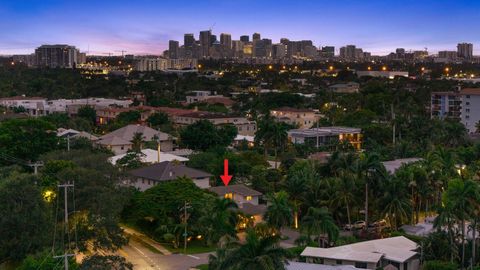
column 146, row 239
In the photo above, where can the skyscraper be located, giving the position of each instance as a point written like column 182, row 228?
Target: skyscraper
column 226, row 40
column 189, row 45
column 245, row 39
column 56, row 56
column 279, row 51
column 255, row 37
column 465, row 50
column 328, row 51
column 205, row 43
column 173, row 46
column 348, row 52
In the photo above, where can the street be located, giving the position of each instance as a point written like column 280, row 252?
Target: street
column 145, row 256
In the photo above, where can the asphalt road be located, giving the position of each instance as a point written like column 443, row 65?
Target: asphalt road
column 143, row 258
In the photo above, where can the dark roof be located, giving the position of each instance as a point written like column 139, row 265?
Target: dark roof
column 165, row 171
column 251, row 209
column 238, row 189
column 209, row 115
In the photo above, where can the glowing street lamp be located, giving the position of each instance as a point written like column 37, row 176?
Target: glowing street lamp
column 384, row 68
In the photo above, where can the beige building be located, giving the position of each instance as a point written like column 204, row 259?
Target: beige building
column 120, row 140
column 243, row 125
column 302, row 118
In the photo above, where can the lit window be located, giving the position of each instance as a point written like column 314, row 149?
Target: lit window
column 228, row 195
column 248, row 198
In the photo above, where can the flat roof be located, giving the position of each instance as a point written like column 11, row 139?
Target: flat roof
column 397, row 249
column 323, row 131
column 393, row 165
column 470, row 91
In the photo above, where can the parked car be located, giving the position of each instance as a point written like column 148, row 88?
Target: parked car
column 382, row 223
column 355, row 226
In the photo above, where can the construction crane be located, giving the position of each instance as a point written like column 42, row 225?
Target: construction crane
column 211, row 27
column 123, row 52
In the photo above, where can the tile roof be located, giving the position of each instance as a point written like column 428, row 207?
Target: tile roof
column 239, row 189
column 470, row 91
column 127, row 133
column 165, row 171
column 290, row 109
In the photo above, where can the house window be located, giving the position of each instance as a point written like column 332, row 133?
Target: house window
column 339, row 262
column 361, row 265
column 468, row 96
column 229, row 196
column 248, row 198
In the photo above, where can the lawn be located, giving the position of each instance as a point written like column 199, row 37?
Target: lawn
column 202, row 266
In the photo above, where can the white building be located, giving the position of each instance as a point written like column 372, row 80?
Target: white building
column 400, row 252
column 152, row 156
column 351, row 87
column 382, row 74
column 38, row 106
column 470, row 108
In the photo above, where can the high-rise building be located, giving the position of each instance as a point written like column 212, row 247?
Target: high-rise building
column 205, row 43
column 189, row 46
column 284, row 41
column 255, row 37
column 173, row 48
column 328, row 51
column 188, row 40
column 245, row 39
column 237, row 48
column 348, row 52
column 226, row 40
column 465, row 50
column 56, row 56
column 279, row 51
column 450, row 55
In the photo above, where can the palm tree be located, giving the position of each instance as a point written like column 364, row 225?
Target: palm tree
column 296, row 184
column 271, row 134
column 319, row 222
column 343, row 192
column 459, row 196
column 137, row 141
column 220, row 220
column 258, row 253
column 279, row 212
column 446, row 218
column 369, row 169
column 396, row 205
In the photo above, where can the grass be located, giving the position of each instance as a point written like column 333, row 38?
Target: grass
column 193, row 247
column 202, row 266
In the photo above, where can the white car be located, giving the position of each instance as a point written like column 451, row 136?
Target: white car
column 357, row 225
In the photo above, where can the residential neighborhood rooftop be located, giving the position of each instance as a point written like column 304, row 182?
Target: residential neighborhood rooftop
column 323, row 131
column 397, row 249
column 239, row 189
column 165, row 171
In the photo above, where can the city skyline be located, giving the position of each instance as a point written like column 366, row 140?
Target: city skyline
column 110, row 27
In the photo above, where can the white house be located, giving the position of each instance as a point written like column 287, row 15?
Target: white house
column 152, row 156
column 399, row 252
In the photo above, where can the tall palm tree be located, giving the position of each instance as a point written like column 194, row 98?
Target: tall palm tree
column 296, row 184
column 343, row 192
column 271, row 134
column 446, row 219
column 319, row 222
column 257, row 253
column 279, row 212
column 137, row 141
column 395, row 203
column 220, row 220
column 369, row 169
column 459, row 196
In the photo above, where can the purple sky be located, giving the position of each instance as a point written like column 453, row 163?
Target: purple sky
column 145, row 26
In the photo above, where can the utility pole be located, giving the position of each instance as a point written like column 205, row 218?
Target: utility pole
column 317, row 133
column 68, row 142
column 185, row 217
column 394, row 124
column 66, row 254
column 35, row 166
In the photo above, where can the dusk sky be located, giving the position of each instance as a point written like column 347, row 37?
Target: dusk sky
column 145, row 26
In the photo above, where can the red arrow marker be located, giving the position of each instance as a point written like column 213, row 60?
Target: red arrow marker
column 225, row 177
